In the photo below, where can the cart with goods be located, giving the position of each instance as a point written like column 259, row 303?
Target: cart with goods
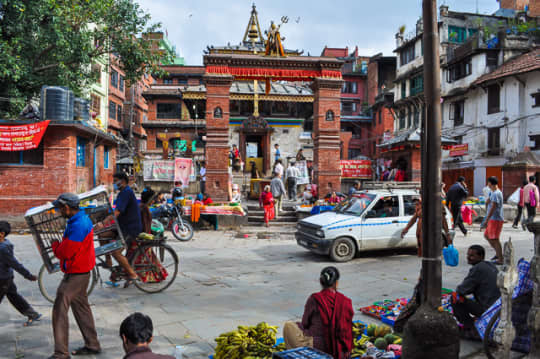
column 155, row 263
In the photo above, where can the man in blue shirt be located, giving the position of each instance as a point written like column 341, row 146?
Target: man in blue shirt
column 129, row 219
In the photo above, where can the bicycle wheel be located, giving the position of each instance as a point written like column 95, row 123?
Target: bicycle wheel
column 487, row 335
column 182, row 231
column 49, row 282
column 156, row 265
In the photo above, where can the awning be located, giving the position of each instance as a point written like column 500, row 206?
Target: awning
column 411, row 136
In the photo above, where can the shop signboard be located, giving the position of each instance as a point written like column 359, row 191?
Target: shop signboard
column 22, row 137
column 459, row 150
column 360, row 169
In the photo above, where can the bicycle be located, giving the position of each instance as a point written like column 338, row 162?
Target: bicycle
column 155, row 263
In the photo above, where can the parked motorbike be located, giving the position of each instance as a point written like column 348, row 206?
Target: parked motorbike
column 170, row 215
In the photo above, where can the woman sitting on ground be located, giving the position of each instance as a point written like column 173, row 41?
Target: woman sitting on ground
column 327, row 321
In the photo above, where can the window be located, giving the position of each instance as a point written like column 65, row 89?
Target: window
column 402, row 119
column 416, row 120
column 182, row 81
column 406, row 55
column 106, row 157
column 417, row 85
column 112, row 110
column 494, row 141
column 159, row 143
column 96, row 72
column 119, row 113
column 30, row 157
column 81, row 151
column 349, row 87
column 168, row 81
column 492, row 59
column 457, row 112
column 494, row 99
column 348, row 107
column 536, row 99
column 536, row 140
column 404, row 89
column 384, row 208
column 458, row 34
column 409, row 205
column 114, row 78
column 121, row 85
column 168, row 110
column 95, row 104
column 459, row 70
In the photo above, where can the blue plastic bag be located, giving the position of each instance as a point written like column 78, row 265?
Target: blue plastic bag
column 451, row 256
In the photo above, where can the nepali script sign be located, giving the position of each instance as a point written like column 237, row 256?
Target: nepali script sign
column 158, row 170
column 356, row 169
column 22, row 137
column 459, row 150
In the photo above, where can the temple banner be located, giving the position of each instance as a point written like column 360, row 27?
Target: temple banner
column 23, row 137
column 356, row 169
column 158, row 170
column 304, row 173
column 183, row 168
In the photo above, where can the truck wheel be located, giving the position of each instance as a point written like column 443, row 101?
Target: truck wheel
column 342, row 250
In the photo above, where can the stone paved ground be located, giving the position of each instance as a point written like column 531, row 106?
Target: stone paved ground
column 227, row 281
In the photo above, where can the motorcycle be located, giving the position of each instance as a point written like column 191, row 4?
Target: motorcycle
column 170, row 215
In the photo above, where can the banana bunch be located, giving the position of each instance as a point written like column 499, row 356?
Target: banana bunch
column 359, row 346
column 358, row 329
column 248, row 342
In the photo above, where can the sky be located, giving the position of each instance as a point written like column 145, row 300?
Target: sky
column 192, row 25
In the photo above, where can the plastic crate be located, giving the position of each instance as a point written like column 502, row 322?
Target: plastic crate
column 47, row 225
column 301, row 353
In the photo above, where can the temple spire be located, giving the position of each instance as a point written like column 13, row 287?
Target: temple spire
column 253, row 31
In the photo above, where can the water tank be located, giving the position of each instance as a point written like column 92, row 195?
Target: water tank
column 81, row 109
column 56, row 103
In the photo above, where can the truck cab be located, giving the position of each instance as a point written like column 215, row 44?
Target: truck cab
column 368, row 220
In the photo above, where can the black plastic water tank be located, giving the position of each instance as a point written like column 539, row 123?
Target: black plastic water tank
column 57, row 103
column 81, row 109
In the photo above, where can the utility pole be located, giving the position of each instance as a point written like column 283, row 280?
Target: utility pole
column 431, row 333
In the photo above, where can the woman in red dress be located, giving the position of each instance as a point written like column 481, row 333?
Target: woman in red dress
column 266, row 201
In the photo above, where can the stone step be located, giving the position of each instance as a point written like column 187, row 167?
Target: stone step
column 279, row 219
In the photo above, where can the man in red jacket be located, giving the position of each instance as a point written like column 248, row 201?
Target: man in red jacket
column 77, row 259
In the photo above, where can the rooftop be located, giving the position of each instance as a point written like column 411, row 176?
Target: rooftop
column 521, row 64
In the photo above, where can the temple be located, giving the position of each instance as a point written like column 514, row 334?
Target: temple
column 255, row 94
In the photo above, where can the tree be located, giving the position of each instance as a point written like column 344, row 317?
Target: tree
column 55, row 42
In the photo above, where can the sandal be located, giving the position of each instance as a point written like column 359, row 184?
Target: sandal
column 85, row 351
column 130, row 281
column 32, row 320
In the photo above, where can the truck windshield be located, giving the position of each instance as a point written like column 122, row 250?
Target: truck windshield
column 355, row 205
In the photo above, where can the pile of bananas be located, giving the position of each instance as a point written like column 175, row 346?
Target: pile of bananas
column 358, row 329
column 359, row 346
column 248, row 342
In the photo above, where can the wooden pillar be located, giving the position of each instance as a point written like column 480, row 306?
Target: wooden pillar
column 217, row 135
column 533, row 318
column 326, row 126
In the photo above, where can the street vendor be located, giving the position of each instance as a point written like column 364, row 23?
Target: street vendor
column 307, row 196
column 481, row 282
column 327, row 321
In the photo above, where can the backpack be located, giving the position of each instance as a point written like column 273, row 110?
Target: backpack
column 532, row 198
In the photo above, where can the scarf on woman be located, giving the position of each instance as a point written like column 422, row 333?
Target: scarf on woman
column 336, row 315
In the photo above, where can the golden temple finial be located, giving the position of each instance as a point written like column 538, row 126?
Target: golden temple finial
column 253, row 31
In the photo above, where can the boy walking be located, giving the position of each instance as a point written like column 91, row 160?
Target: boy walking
column 494, row 220
column 8, row 263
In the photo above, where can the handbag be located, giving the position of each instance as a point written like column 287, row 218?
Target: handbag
column 451, row 256
column 532, row 198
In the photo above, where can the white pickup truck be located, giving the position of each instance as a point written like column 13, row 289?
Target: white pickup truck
column 368, row 220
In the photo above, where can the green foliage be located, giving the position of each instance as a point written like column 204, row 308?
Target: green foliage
column 55, row 42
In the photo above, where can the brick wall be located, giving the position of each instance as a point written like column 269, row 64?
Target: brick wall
column 372, row 81
column 515, row 4
column 27, row 186
column 345, row 139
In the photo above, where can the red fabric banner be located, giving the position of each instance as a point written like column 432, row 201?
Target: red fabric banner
column 22, row 137
column 255, row 73
column 356, row 169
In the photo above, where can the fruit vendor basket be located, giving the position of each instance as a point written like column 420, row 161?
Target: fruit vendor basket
column 47, row 225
